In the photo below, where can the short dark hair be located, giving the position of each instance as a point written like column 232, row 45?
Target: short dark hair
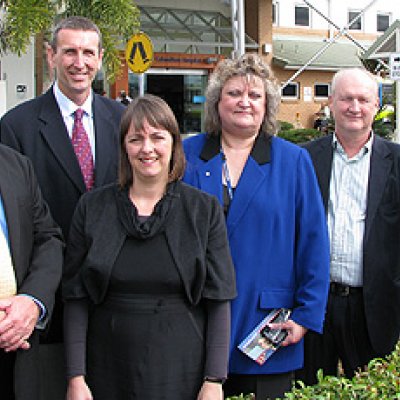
column 75, row 23
column 158, row 114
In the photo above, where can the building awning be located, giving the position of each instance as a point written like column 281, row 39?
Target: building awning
column 189, row 31
column 386, row 44
column 294, row 53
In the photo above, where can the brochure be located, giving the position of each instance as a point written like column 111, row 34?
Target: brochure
column 263, row 341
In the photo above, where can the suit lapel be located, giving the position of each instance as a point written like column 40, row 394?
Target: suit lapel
column 251, row 179
column 104, row 142
column 322, row 156
column 55, row 133
column 381, row 163
column 210, row 176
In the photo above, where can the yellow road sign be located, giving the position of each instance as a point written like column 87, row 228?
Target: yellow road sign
column 139, row 53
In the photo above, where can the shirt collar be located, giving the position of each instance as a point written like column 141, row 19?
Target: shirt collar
column 67, row 106
column 261, row 151
column 364, row 150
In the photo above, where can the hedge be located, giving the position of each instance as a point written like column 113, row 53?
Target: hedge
column 380, row 380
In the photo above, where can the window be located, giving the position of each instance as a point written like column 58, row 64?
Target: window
column 321, row 90
column 275, row 10
column 357, row 24
column 291, row 91
column 382, row 22
column 302, row 16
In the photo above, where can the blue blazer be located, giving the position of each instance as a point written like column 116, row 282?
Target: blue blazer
column 278, row 238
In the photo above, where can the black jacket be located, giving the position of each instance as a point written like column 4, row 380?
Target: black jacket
column 196, row 236
column 381, row 244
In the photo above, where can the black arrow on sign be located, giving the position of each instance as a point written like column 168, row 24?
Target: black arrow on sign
column 142, row 51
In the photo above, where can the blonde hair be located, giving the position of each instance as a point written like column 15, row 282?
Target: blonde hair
column 249, row 65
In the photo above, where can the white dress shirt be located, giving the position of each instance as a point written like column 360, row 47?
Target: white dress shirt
column 68, row 108
column 347, row 208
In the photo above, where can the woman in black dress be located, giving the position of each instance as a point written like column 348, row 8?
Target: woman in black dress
column 148, row 276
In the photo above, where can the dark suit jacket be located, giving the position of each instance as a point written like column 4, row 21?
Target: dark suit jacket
column 36, row 129
column 36, row 250
column 381, row 246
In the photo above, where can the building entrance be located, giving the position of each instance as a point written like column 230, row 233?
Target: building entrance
column 183, row 90
column 171, row 89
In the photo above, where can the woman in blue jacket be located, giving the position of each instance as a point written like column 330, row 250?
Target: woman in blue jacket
column 274, row 215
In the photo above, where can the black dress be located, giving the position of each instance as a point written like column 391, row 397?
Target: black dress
column 145, row 341
column 147, row 315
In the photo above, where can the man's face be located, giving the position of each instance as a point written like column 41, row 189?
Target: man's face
column 76, row 60
column 354, row 104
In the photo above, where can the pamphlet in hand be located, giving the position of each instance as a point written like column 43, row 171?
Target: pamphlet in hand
column 263, row 341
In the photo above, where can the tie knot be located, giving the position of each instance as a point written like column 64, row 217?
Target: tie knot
column 79, row 114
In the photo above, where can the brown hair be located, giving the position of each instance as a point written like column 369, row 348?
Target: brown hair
column 246, row 65
column 158, row 114
column 75, row 23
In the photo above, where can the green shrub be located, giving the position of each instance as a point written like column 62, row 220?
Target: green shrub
column 383, row 129
column 380, row 380
column 300, row 135
column 285, row 126
column 242, row 397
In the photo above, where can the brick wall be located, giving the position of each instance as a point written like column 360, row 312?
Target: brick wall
column 305, row 110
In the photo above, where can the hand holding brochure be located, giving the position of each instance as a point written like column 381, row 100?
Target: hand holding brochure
column 263, row 340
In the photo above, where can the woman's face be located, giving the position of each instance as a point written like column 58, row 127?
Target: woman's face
column 149, row 152
column 242, row 105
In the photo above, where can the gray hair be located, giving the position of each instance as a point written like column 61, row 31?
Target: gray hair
column 75, row 23
column 250, row 65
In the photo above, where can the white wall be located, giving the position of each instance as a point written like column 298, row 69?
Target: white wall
column 18, row 72
column 3, row 98
column 339, row 11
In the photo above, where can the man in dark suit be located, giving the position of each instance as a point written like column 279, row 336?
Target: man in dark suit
column 43, row 129
column 35, row 245
column 359, row 178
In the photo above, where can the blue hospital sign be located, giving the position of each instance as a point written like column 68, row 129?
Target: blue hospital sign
column 139, row 53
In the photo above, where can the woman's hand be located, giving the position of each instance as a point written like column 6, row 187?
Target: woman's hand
column 211, row 391
column 78, row 389
column 295, row 331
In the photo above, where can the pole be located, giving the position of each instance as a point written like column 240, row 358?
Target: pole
column 141, row 84
column 241, row 48
column 397, row 131
column 235, row 30
column 237, row 14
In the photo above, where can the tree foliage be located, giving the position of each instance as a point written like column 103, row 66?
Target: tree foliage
column 20, row 20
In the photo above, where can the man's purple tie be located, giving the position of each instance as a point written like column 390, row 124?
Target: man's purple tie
column 83, row 152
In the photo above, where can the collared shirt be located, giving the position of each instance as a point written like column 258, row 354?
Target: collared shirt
column 68, row 108
column 347, row 208
column 3, row 226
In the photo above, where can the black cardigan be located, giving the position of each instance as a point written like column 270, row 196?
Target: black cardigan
column 196, row 236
